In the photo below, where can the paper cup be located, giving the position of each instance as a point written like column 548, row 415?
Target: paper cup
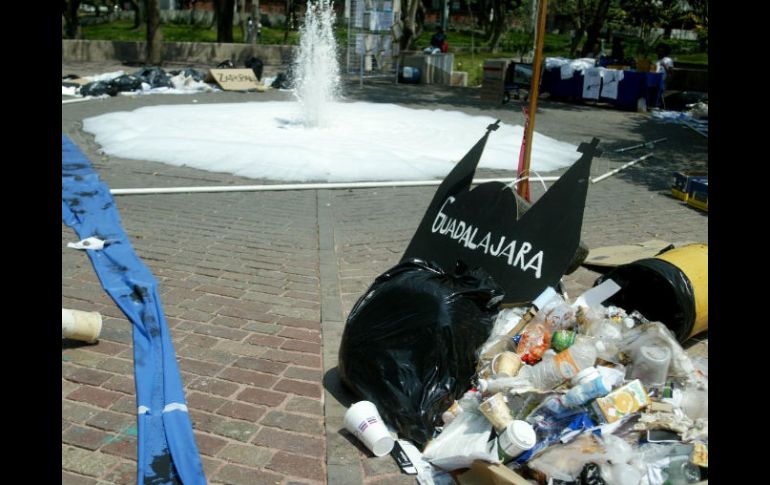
column 77, row 325
column 497, row 412
column 363, row 420
column 517, row 438
column 506, row 364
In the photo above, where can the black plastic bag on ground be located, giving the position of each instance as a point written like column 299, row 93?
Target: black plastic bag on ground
column 98, row 88
column 127, row 82
column 196, row 74
column 409, row 344
column 256, row 65
column 155, row 77
column 282, row 81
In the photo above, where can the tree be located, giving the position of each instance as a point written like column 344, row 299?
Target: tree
column 592, row 15
column 70, row 11
column 502, row 17
column 223, row 10
column 413, row 20
column 140, row 14
column 154, row 33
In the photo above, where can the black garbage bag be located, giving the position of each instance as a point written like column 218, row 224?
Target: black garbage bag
column 591, row 475
column 127, row 82
column 256, row 65
column 196, row 74
column 657, row 289
column 282, row 81
column 98, row 88
column 409, row 344
column 155, row 77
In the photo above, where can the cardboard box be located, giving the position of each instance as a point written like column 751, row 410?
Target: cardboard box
column 484, row 473
column 623, row 401
column 683, row 181
column 236, row 79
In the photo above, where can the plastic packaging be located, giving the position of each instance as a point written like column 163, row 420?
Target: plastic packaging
column 581, row 394
column 535, row 340
column 695, row 403
column 565, row 365
column 586, row 375
column 562, row 339
column 409, row 344
column 651, row 363
column 466, row 439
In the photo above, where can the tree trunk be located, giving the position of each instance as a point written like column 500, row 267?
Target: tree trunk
column 409, row 15
column 224, row 13
column 593, row 25
column 71, row 16
column 140, row 15
column 255, row 15
column 499, row 26
column 244, row 26
column 287, row 24
column 154, row 33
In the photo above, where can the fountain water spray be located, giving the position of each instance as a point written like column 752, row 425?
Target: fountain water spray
column 317, row 72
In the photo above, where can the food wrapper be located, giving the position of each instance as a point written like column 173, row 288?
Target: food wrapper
column 700, row 454
column 623, row 401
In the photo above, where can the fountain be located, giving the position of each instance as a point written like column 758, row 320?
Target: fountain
column 317, row 137
column 317, row 72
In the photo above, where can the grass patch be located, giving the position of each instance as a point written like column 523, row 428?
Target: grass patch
column 469, row 47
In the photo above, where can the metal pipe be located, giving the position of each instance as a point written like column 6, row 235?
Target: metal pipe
column 311, row 186
column 77, row 100
column 624, row 166
column 648, row 144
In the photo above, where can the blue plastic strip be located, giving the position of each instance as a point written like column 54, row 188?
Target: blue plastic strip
column 166, row 446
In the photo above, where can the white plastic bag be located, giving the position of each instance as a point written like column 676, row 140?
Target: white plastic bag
column 464, row 440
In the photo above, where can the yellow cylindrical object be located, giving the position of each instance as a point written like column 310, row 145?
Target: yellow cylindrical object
column 79, row 325
column 693, row 261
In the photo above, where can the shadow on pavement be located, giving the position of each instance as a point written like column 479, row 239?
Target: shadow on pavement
column 333, row 384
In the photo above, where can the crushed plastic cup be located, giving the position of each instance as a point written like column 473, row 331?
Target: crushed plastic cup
column 363, row 420
column 651, row 364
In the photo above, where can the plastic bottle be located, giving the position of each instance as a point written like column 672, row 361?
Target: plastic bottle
column 565, row 365
column 582, row 393
column 468, row 402
column 500, row 384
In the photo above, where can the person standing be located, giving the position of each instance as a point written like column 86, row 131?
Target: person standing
column 664, row 64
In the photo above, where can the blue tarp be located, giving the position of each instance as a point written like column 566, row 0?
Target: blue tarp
column 166, row 446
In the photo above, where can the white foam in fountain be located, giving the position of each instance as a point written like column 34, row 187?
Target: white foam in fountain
column 363, row 141
column 317, row 72
column 317, row 138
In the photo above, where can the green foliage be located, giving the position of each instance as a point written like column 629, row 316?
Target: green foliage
column 183, row 32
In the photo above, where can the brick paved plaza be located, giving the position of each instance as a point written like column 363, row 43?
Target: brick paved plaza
column 256, row 287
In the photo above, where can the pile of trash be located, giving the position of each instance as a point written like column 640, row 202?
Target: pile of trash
column 562, row 393
column 155, row 80
column 148, row 80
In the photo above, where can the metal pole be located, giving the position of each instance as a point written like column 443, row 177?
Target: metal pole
column 537, row 65
column 624, row 166
column 308, row 186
